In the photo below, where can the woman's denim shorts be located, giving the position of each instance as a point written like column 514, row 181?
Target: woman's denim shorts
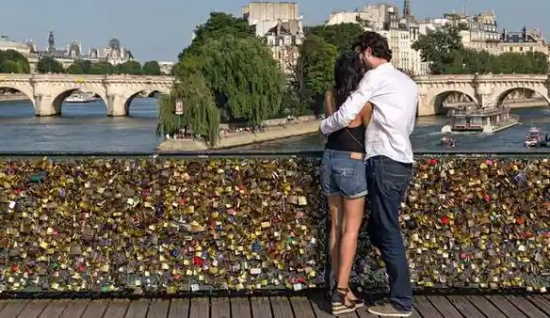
column 343, row 175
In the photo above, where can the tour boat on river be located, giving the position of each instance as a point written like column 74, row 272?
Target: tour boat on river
column 535, row 138
column 81, row 98
column 472, row 118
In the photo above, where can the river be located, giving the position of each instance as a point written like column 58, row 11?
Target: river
column 85, row 128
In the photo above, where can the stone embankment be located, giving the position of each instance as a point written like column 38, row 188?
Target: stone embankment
column 12, row 98
column 275, row 129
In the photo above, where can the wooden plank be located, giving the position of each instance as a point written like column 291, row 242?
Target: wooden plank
column 425, row 307
column 240, row 307
column 117, row 308
column 281, row 307
column 220, row 307
column 505, row 306
column 96, row 309
column 465, row 307
column 13, row 308
column 138, row 309
column 485, row 306
column 541, row 302
column 526, row 306
column 260, row 307
column 364, row 313
column 321, row 305
column 444, row 306
column 34, row 308
column 302, row 307
column 158, row 308
column 75, row 308
column 3, row 304
column 200, row 308
column 54, row 309
column 179, row 308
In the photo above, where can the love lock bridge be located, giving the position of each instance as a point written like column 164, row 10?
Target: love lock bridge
column 48, row 91
column 486, row 91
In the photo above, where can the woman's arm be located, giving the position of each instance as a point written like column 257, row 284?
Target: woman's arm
column 330, row 106
column 366, row 113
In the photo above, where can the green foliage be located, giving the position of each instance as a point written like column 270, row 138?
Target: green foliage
column 101, row 68
column 342, row 36
column 9, row 66
column 245, row 79
column 437, row 47
column 80, row 67
column 130, row 67
column 48, row 64
column 151, row 68
column 12, row 61
column 201, row 115
column 314, row 71
column 443, row 49
column 218, row 26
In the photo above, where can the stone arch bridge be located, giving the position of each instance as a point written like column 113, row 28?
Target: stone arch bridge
column 486, row 91
column 48, row 91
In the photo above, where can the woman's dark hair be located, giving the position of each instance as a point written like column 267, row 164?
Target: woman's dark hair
column 377, row 43
column 348, row 73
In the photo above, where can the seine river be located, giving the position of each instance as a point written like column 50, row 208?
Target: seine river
column 85, row 128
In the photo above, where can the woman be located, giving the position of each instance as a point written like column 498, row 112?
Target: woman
column 343, row 181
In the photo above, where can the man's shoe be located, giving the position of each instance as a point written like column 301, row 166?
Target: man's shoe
column 388, row 310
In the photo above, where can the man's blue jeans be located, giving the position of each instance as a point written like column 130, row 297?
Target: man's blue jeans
column 388, row 181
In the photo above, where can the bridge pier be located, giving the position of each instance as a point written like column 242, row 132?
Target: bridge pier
column 45, row 106
column 117, row 105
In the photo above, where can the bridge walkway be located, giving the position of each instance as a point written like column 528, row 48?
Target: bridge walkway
column 308, row 305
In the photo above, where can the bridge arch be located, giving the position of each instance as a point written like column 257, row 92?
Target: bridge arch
column 437, row 99
column 149, row 92
column 502, row 94
column 60, row 96
column 27, row 91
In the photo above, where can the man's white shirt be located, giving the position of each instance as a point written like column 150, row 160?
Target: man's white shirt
column 395, row 99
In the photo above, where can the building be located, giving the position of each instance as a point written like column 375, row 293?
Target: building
column 7, row 44
column 166, row 67
column 114, row 53
column 281, row 25
column 401, row 30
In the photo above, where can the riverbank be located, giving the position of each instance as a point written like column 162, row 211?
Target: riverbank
column 269, row 134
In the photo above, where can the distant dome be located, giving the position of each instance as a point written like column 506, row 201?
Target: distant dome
column 114, row 44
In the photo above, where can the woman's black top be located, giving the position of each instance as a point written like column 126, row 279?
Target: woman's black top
column 347, row 139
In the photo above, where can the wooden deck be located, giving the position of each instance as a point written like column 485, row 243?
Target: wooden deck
column 312, row 305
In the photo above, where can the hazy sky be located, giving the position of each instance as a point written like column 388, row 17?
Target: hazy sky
column 160, row 29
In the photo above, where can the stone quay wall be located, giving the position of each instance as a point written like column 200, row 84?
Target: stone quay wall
column 135, row 225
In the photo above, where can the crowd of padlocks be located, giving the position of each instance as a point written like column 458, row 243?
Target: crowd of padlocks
column 160, row 225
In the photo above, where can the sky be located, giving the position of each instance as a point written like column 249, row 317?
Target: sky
column 160, row 29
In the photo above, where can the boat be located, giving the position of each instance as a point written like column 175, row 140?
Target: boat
column 474, row 119
column 80, row 97
column 448, row 141
column 535, row 138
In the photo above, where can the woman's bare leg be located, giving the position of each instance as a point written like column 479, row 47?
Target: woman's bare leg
column 353, row 217
column 336, row 214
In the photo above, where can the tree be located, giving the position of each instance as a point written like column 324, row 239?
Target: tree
column 80, row 67
column 130, row 67
column 218, row 26
column 9, row 66
column 101, row 68
column 151, row 68
column 315, row 71
column 342, row 36
column 246, row 81
column 201, row 116
column 48, row 64
column 20, row 63
column 437, row 47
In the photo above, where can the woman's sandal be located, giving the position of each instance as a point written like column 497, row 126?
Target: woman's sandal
column 339, row 305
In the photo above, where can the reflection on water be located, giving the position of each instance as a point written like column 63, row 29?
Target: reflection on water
column 86, row 128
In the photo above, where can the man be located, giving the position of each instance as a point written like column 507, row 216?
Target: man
column 389, row 159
